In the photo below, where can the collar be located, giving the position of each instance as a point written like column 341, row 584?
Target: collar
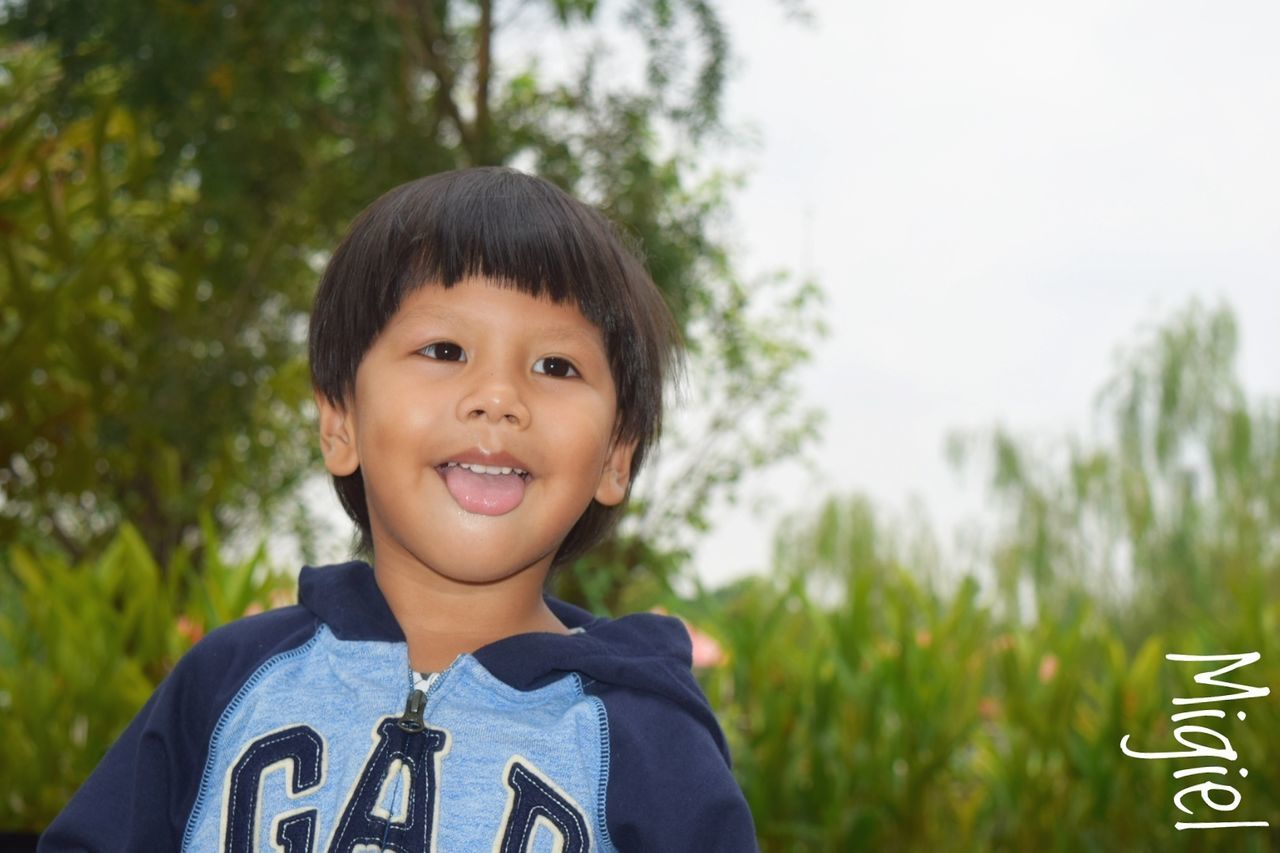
column 642, row 652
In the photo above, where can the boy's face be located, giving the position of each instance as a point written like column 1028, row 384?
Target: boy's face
column 479, row 375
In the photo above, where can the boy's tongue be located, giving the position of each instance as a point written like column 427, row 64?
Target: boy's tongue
column 485, row 494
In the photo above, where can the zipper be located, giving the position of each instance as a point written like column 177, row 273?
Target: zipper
column 411, row 721
column 415, row 706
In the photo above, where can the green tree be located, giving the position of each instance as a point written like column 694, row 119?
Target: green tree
column 128, row 391
column 176, row 173
column 1170, row 509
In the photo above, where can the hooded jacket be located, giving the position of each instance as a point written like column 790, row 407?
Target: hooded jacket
column 304, row 729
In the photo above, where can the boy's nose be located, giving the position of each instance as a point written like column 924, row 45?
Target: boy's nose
column 495, row 399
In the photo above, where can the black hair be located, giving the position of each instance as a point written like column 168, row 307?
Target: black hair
column 523, row 232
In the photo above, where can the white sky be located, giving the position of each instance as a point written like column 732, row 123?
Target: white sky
column 995, row 196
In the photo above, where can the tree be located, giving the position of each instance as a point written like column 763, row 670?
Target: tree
column 177, row 174
column 1170, row 511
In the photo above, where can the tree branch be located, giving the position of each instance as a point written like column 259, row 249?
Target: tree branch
column 484, row 39
column 432, row 37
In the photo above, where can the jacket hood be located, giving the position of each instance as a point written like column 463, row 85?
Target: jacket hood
column 644, row 651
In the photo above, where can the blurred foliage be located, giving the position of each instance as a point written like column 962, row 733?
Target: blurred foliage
column 83, row 644
column 129, row 390
column 877, row 701
column 175, row 174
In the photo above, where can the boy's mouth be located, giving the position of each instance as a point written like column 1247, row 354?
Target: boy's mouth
column 485, row 489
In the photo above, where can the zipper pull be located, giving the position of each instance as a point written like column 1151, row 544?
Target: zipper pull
column 411, row 721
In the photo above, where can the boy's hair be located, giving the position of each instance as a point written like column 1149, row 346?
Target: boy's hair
column 521, row 231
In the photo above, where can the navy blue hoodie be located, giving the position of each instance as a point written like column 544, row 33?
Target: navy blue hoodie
column 305, row 729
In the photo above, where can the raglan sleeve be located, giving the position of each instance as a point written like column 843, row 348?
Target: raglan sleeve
column 670, row 784
column 137, row 796
column 140, row 796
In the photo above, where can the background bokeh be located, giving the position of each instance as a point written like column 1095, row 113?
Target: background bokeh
column 906, row 242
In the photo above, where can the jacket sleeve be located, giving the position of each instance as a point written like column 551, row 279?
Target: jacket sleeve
column 137, row 797
column 670, row 785
column 140, row 796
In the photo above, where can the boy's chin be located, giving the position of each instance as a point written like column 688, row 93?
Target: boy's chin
column 480, row 565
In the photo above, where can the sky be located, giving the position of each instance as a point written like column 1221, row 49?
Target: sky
column 995, row 197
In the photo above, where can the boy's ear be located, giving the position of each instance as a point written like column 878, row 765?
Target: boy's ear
column 616, row 475
column 337, row 437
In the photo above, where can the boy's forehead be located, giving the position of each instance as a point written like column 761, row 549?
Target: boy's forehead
column 471, row 302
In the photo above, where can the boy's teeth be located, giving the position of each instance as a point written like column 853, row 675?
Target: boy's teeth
column 486, row 469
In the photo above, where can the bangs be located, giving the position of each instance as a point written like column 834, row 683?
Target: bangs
column 519, row 232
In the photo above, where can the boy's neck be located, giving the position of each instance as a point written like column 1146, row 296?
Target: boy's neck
column 442, row 619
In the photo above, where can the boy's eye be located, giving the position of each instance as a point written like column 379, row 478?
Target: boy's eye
column 444, row 351
column 555, row 366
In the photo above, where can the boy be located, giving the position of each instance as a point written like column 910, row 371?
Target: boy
column 488, row 361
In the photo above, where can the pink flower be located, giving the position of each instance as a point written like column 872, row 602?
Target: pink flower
column 1048, row 668
column 189, row 629
column 706, row 651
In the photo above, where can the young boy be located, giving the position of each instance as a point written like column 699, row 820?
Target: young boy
column 488, row 361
